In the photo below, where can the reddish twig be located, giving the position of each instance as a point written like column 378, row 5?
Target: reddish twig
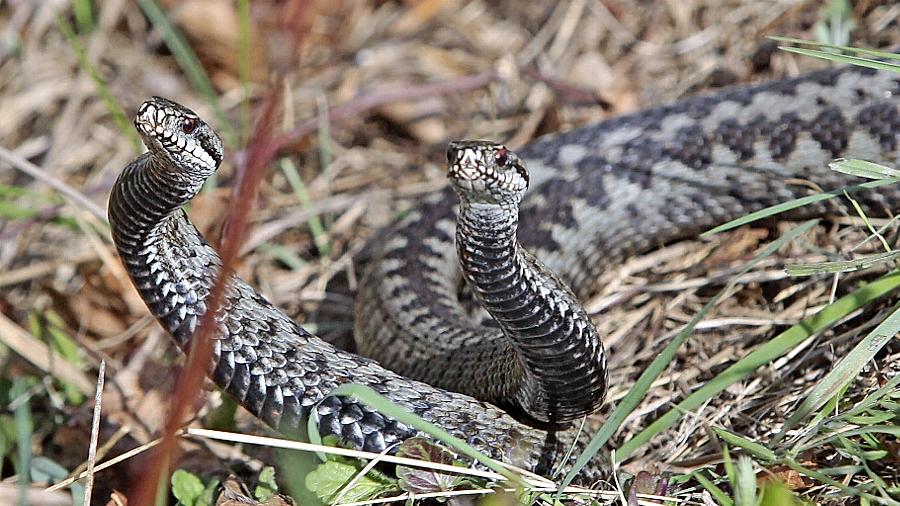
column 261, row 151
column 370, row 100
column 569, row 92
column 260, row 154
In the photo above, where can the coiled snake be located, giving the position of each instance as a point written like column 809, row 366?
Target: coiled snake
column 599, row 193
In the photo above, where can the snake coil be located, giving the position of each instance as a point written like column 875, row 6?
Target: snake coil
column 599, row 194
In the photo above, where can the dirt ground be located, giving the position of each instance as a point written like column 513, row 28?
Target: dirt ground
column 387, row 84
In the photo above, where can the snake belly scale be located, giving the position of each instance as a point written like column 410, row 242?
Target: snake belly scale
column 597, row 194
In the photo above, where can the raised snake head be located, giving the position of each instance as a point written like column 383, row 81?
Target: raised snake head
column 486, row 173
column 177, row 134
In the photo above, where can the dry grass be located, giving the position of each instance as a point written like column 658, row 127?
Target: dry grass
column 507, row 70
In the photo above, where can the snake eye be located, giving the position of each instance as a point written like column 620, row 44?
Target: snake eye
column 188, row 125
column 502, row 157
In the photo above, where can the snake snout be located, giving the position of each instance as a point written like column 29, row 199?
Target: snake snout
column 469, row 160
column 486, row 172
column 467, row 176
column 145, row 120
column 179, row 134
column 152, row 121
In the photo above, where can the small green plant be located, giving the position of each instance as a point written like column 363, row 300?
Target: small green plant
column 190, row 490
column 742, row 486
column 345, row 479
column 835, row 24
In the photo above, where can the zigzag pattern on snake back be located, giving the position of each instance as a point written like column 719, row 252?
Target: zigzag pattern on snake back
column 598, row 194
column 621, row 187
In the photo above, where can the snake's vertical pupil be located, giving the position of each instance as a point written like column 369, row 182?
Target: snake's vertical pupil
column 188, row 125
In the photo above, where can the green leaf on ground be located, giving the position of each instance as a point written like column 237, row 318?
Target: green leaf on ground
column 187, row 488
column 266, row 487
column 330, row 478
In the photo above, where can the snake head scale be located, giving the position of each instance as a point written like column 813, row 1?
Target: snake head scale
column 175, row 133
column 486, row 173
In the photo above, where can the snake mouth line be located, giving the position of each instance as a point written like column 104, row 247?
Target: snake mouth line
column 486, row 171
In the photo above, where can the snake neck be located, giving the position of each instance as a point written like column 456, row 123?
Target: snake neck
column 562, row 360
column 171, row 264
column 145, row 218
column 485, row 227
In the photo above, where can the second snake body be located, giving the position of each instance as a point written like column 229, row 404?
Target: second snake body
column 598, row 194
column 621, row 187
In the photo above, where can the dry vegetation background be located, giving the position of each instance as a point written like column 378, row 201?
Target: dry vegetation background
column 399, row 79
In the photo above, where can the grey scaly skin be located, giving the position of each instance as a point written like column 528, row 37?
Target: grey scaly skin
column 557, row 356
column 599, row 194
column 266, row 361
column 604, row 192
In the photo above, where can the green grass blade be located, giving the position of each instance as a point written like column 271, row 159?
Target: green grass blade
column 892, row 430
column 188, row 62
column 84, row 16
column 862, row 214
column 776, row 493
column 718, row 494
column 753, row 448
column 284, row 255
column 118, row 114
column 865, row 262
column 374, row 400
column 637, row 392
column 872, row 399
column 873, row 419
column 24, row 432
column 50, row 327
column 842, row 58
column 728, row 464
column 840, row 470
column 847, row 49
column 846, row 369
column 745, row 485
column 822, row 414
column 766, row 353
column 320, row 238
column 863, row 168
column 794, row 204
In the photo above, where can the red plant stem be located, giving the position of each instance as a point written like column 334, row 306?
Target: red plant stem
column 260, row 155
column 261, row 152
column 370, row 100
